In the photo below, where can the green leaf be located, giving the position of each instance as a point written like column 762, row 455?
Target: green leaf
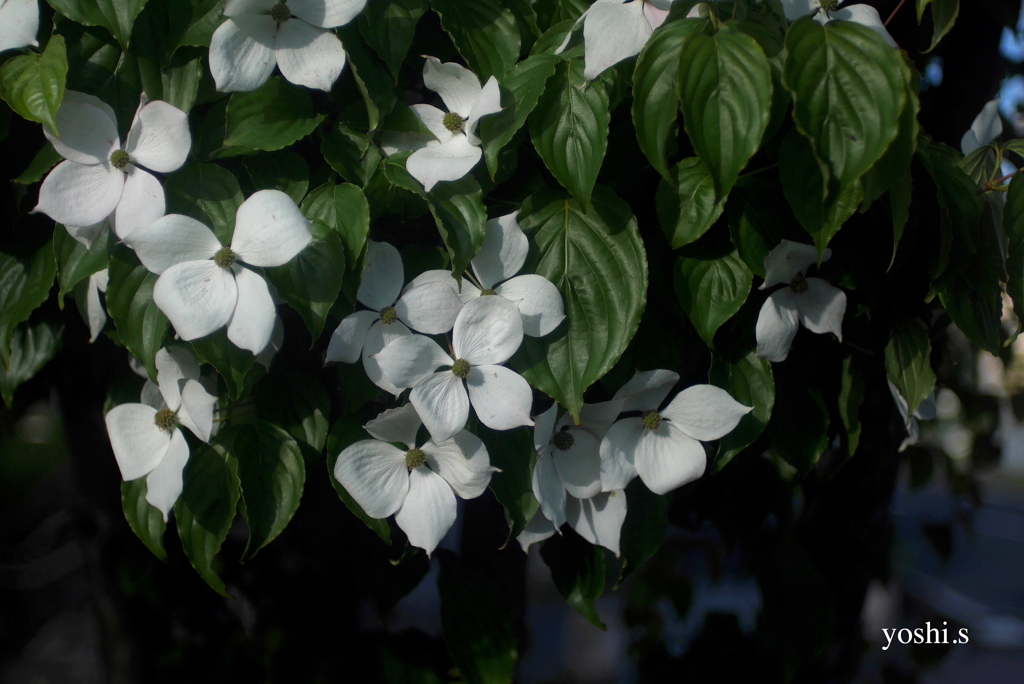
column 725, row 86
column 180, row 84
column 485, row 33
column 799, row 423
column 848, row 93
column 477, row 625
column 521, row 90
column 76, row 262
column 34, row 84
column 233, row 364
column 311, row 281
column 908, row 362
column 750, row 381
column 569, row 128
column 30, row 348
column 25, row 280
column 711, row 291
column 197, row 24
column 346, row 431
column 512, row 451
column 1013, row 225
column 351, row 154
column 388, row 27
column 272, row 474
column 644, row 528
column 117, row 16
column 206, row 508
column 578, row 570
column 597, row 260
column 345, row 209
column 44, row 160
column 141, row 326
column 372, row 79
column 283, row 170
column 208, row 193
column 756, row 212
column 146, row 521
column 974, row 302
column 895, row 163
column 944, row 14
column 272, row 117
column 655, row 97
column 851, row 396
column 687, row 207
column 305, row 415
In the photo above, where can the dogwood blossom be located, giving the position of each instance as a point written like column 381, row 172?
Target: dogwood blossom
column 100, row 179
column 457, row 148
column 825, row 11
column 598, row 519
column 811, row 301
column 664, row 447
column 95, row 314
column 487, row 332
column 291, row 34
column 19, row 23
column 146, row 437
column 417, row 485
column 430, row 308
column 203, row 286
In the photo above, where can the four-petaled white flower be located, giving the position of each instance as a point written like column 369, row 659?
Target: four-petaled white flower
column 203, row 286
column 418, row 485
column 487, row 332
column 457, row 148
column 146, row 437
column 430, row 307
column 597, row 519
column 19, row 23
column 811, row 301
column 102, row 180
column 664, row 447
column 825, row 11
column 293, row 35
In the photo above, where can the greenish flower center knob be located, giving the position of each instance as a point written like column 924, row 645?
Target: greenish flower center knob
column 414, row 458
column 651, row 419
column 166, row 420
column 487, row 293
column 830, row 5
column 224, row 257
column 460, row 369
column 119, row 159
column 453, row 122
column 799, row 284
column 280, row 13
column 563, row 440
column 388, row 315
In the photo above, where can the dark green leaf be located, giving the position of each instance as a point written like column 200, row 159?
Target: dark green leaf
column 974, row 302
column 908, row 362
column 351, row 154
column 76, row 262
column 208, row 193
column 272, row 117
column 711, row 291
column 232, row 363
column 372, row 78
column 578, row 570
column 1013, row 225
column 512, row 451
column 388, row 27
column 283, row 170
column 181, row 84
column 305, row 415
column 799, row 422
column 197, row 24
column 851, row 396
column 485, row 33
column 895, row 163
column 117, row 16
column 750, row 382
column 141, row 326
column 44, row 160
column 311, row 281
column 644, row 528
column 25, row 281
column 146, row 521
column 686, row 202
column 31, row 347
column 944, row 14
column 34, row 84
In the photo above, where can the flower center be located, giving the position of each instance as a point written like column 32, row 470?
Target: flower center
column 224, row 257
column 830, row 5
column 563, row 440
column 799, row 284
column 280, row 13
column 652, row 421
column 119, row 159
column 388, row 315
column 453, row 122
column 414, row 458
column 166, row 420
column 460, row 369
column 487, row 293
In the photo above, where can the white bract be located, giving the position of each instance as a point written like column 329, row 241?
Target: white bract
column 865, row 15
column 664, row 447
column 19, row 23
column 203, row 286
column 261, row 34
column 597, row 519
column 926, row 411
column 95, row 314
column 487, row 332
column 417, row 485
column 429, row 308
column 816, row 304
column 457, row 148
column 146, row 437
column 985, row 128
column 100, row 179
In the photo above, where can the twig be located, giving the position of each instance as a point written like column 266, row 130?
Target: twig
column 894, row 12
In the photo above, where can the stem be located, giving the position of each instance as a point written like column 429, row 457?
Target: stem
column 992, row 185
column 757, row 171
column 893, row 14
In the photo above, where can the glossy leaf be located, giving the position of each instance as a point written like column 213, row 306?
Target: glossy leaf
column 33, row 85
column 578, row 570
column 908, row 363
column 76, row 262
column 944, row 14
column 233, row 364
column 208, row 193
column 711, row 291
column 311, row 281
column 351, row 154
column 45, row 159
column 304, row 416
column 25, row 280
column 117, row 16
column 485, row 33
column 30, row 347
column 512, row 451
column 749, row 381
column 141, row 326
column 274, row 116
column 146, row 521
column 388, row 27
column 686, row 202
column 283, row 170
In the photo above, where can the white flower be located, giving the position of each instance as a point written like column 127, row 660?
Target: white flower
column 926, row 411
column 202, row 286
column 487, row 332
column 293, row 35
column 865, row 15
column 146, row 438
column 429, row 308
column 418, row 485
column 88, row 234
column 19, row 23
column 811, row 301
column 597, row 519
column 664, row 447
column 102, row 180
column 457, row 148
column 985, row 128
column 94, row 311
